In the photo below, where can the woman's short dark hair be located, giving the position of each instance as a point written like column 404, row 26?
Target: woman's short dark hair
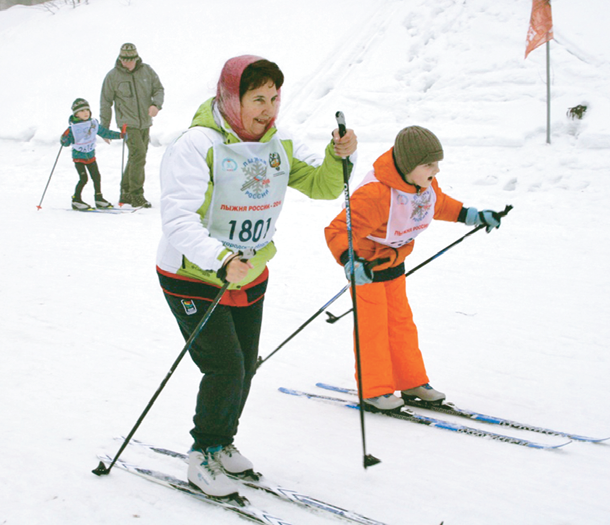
column 258, row 74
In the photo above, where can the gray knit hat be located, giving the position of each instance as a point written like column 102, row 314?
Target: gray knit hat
column 413, row 146
column 78, row 105
column 128, row 52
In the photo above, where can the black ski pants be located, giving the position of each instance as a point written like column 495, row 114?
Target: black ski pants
column 94, row 171
column 225, row 352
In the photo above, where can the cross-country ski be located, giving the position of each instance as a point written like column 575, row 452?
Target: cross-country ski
column 409, row 415
column 283, row 493
column 453, row 410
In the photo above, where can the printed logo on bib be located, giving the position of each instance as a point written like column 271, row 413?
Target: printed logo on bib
column 229, row 165
column 257, row 182
column 275, row 160
column 89, row 131
column 422, row 202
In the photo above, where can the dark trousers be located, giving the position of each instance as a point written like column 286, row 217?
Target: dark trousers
column 132, row 180
column 225, row 352
column 82, row 173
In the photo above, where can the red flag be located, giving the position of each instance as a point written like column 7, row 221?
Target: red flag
column 541, row 25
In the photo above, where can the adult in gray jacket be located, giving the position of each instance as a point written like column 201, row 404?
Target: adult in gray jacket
column 137, row 94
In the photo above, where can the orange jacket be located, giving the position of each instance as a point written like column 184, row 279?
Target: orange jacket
column 370, row 208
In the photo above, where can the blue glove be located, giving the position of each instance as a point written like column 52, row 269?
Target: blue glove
column 362, row 275
column 491, row 219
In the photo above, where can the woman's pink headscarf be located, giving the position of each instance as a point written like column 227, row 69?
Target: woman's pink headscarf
column 227, row 95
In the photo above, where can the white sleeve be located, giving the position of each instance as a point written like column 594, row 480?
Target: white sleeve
column 185, row 179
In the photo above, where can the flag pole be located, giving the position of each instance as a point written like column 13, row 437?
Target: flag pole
column 541, row 31
column 548, row 92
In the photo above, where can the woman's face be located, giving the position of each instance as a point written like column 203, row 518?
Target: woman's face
column 258, row 108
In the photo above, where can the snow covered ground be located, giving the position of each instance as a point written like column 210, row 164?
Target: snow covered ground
column 514, row 323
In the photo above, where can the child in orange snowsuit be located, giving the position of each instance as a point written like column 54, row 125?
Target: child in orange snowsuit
column 395, row 202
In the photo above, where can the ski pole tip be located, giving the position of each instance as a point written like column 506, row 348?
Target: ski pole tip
column 370, row 461
column 101, row 470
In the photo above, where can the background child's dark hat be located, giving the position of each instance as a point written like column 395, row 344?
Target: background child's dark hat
column 79, row 104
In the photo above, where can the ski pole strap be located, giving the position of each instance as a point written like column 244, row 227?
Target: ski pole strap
column 243, row 257
column 370, row 265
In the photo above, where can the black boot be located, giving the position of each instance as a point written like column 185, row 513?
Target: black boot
column 78, row 204
column 138, row 201
column 100, row 202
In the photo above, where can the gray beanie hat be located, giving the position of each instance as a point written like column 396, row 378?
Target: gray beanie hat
column 128, row 52
column 78, row 105
column 413, row 146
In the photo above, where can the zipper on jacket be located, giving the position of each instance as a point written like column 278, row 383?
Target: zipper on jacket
column 135, row 91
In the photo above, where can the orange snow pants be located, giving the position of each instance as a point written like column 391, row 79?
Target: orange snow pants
column 389, row 350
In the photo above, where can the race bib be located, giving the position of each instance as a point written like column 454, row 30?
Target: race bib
column 250, row 181
column 409, row 215
column 84, row 135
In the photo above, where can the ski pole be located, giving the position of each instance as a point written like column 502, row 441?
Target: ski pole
column 39, row 206
column 261, row 360
column 334, row 318
column 368, row 459
column 102, row 469
column 343, row 290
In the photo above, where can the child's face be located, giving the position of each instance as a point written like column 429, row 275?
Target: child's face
column 83, row 114
column 423, row 175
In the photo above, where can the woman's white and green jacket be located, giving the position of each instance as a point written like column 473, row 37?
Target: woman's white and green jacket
column 220, row 195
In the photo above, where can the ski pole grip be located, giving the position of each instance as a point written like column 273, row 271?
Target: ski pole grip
column 247, row 254
column 341, row 123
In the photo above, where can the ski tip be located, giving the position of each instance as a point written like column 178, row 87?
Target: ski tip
column 38, row 207
column 101, row 470
column 585, row 439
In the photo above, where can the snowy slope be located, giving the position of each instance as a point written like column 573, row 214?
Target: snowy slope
column 513, row 323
